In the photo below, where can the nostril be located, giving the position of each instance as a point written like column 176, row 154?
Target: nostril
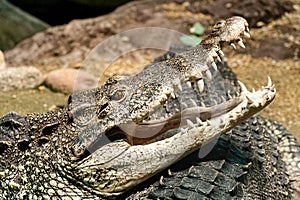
column 102, row 112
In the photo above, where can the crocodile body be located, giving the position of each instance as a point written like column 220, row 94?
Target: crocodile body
column 116, row 141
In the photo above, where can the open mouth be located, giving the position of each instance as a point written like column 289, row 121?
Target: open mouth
column 172, row 138
column 191, row 106
column 163, row 113
column 191, row 91
column 193, row 102
column 149, row 131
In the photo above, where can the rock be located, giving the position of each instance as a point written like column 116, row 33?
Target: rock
column 65, row 80
column 2, row 61
column 16, row 25
column 13, row 78
column 52, row 46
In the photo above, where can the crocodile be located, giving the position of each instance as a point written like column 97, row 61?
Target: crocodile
column 136, row 137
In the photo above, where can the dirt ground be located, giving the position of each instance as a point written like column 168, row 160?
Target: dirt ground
column 273, row 50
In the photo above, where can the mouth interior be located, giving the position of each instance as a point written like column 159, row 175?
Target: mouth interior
column 157, row 128
column 149, row 131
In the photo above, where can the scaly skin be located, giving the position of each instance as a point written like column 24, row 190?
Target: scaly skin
column 105, row 142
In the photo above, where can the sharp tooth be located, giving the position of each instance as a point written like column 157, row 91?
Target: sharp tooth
column 193, row 102
column 189, row 84
column 237, row 93
column 244, row 89
column 190, row 123
column 253, row 90
column 229, row 95
column 221, row 53
column 213, row 64
column 210, row 59
column 208, row 122
column 215, row 101
column 246, row 34
column 165, row 104
column 161, row 180
column 214, row 53
column 247, row 29
column 219, row 59
column 173, row 95
column 198, row 120
column 208, row 75
column 170, row 172
column 183, row 105
column 233, row 45
column 202, row 104
column 270, row 84
column 200, row 84
column 240, row 42
column 250, row 99
column 179, row 86
column 223, row 98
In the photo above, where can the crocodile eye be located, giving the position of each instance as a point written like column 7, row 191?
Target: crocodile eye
column 118, row 95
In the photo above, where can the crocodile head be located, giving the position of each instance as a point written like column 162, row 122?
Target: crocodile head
column 133, row 127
